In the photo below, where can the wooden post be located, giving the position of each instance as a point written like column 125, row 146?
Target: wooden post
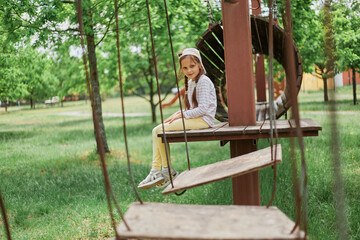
column 259, row 63
column 240, row 90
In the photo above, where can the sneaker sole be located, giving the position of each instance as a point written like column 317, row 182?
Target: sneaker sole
column 165, row 184
column 151, row 184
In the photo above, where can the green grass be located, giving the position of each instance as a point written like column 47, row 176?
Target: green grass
column 52, row 184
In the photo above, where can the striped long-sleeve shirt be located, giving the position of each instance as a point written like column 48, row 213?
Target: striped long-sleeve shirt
column 206, row 97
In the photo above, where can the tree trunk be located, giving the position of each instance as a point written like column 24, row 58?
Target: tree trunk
column 153, row 112
column 5, row 105
column 354, row 85
column 326, row 98
column 95, row 87
column 31, row 103
column 153, row 107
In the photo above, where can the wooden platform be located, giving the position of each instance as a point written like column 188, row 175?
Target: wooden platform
column 171, row 221
column 232, row 167
column 222, row 131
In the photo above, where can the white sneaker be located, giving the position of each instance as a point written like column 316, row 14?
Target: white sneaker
column 165, row 174
column 155, row 177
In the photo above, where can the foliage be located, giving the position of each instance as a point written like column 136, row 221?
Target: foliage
column 11, row 87
column 69, row 72
column 37, row 77
column 136, row 50
column 347, row 29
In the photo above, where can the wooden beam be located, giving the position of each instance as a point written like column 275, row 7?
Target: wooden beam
column 221, row 170
column 173, row 221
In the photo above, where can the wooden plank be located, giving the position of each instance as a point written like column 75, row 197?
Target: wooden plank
column 195, row 132
column 214, row 43
column 306, row 124
column 171, row 221
column 217, row 29
column 206, row 50
column 238, row 137
column 253, row 129
column 226, row 129
column 224, row 169
column 281, row 126
column 261, row 130
column 210, row 67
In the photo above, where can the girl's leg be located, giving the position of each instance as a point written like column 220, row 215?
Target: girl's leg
column 156, row 176
column 177, row 125
column 156, row 163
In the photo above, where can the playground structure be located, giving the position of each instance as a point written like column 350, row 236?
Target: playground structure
column 249, row 220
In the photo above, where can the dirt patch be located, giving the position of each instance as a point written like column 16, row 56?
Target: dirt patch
column 27, row 122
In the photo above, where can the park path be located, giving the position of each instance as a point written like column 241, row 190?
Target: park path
column 87, row 114
column 328, row 112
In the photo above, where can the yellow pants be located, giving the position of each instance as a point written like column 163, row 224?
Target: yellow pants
column 159, row 153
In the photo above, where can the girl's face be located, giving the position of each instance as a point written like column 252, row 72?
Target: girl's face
column 189, row 67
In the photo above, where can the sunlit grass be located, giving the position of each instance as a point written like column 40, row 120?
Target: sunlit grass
column 53, row 188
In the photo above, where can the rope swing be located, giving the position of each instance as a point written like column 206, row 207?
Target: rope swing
column 122, row 102
column 108, row 189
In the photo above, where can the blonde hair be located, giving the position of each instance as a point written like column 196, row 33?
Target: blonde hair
column 196, row 79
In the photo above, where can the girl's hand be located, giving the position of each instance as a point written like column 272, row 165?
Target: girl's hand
column 173, row 117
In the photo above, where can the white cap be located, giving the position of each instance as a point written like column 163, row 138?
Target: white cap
column 193, row 52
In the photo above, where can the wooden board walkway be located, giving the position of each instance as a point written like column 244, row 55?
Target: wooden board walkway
column 232, row 167
column 172, row 221
column 222, row 131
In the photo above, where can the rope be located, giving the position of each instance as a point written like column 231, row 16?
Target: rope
column 338, row 180
column 300, row 186
column 180, row 193
column 210, row 13
column 5, row 219
column 271, row 100
column 108, row 189
column 339, row 194
column 122, row 102
column 158, row 91
column 177, row 84
column 259, row 5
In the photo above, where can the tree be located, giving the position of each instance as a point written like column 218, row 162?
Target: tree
column 11, row 87
column 188, row 20
column 36, row 76
column 313, row 34
column 347, row 36
column 53, row 22
column 68, row 69
column 322, row 45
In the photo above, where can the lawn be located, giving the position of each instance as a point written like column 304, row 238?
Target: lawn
column 52, row 184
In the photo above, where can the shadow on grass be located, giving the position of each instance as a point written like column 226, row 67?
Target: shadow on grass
column 73, row 123
column 15, row 135
column 341, row 105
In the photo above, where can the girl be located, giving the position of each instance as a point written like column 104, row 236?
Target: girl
column 200, row 109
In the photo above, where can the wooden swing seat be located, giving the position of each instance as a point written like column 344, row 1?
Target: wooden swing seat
column 233, row 167
column 223, row 132
column 174, row 221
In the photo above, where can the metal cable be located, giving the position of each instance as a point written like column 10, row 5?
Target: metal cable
column 177, row 84
column 122, row 102
column 108, row 189
column 158, row 91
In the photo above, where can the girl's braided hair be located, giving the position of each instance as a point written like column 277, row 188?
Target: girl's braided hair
column 196, row 79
